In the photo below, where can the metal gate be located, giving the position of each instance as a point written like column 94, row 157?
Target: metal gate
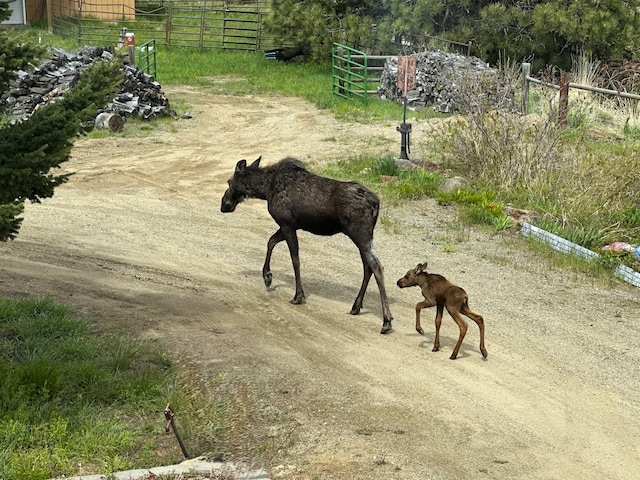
column 349, row 73
column 355, row 74
column 223, row 24
column 147, row 58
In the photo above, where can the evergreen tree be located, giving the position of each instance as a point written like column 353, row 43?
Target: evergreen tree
column 13, row 55
column 550, row 32
column 30, row 149
column 314, row 25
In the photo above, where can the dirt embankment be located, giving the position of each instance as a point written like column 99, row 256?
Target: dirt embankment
column 136, row 238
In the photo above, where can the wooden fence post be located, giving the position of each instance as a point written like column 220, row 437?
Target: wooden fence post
column 526, row 71
column 563, row 103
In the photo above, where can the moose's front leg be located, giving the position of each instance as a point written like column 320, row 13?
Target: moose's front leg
column 427, row 303
column 275, row 239
column 292, row 242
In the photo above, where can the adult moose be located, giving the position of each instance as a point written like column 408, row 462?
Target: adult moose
column 300, row 200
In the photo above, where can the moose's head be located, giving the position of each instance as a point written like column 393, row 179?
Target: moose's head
column 237, row 191
column 411, row 277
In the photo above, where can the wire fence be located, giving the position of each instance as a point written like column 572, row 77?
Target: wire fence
column 222, row 24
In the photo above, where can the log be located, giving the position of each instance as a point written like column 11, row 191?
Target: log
column 112, row 121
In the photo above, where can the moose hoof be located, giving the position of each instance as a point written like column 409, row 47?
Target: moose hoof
column 386, row 328
column 453, row 357
column 267, row 277
column 354, row 310
column 298, row 300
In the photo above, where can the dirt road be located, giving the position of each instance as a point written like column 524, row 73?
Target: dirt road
column 137, row 238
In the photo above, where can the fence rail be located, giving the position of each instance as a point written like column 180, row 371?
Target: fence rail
column 223, row 24
column 563, row 88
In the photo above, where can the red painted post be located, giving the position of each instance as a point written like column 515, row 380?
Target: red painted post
column 563, row 103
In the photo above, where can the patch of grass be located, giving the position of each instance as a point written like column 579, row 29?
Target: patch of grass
column 559, row 261
column 575, row 178
column 245, row 73
column 75, row 401
column 370, row 170
column 71, row 396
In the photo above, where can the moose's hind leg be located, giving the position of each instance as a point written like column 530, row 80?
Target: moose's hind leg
column 357, row 304
column 292, row 241
column 376, row 268
column 480, row 321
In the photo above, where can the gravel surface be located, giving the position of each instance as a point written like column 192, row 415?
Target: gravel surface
column 136, row 238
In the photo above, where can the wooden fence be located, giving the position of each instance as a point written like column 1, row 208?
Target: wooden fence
column 224, row 24
column 563, row 88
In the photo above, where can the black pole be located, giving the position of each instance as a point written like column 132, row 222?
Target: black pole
column 171, row 425
column 405, row 132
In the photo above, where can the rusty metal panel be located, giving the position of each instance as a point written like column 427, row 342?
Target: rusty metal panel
column 407, row 72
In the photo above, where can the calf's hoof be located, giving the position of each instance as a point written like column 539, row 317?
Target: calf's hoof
column 484, row 352
column 453, row 357
column 267, row 277
column 420, row 331
column 386, row 327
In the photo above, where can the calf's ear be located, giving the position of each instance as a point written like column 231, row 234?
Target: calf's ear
column 241, row 165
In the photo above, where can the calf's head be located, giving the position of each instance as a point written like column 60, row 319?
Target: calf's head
column 411, row 277
column 237, row 191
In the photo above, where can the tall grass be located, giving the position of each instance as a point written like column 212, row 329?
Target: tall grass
column 581, row 178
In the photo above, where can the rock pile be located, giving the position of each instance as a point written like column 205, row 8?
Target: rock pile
column 140, row 95
column 449, row 83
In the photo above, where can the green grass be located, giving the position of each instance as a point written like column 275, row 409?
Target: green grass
column 73, row 396
column 375, row 172
column 249, row 73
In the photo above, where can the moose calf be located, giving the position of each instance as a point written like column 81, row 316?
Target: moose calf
column 441, row 293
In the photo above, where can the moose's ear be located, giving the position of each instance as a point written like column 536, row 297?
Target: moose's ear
column 241, row 165
column 421, row 267
column 256, row 163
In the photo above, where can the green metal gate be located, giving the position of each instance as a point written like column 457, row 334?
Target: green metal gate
column 147, row 58
column 350, row 73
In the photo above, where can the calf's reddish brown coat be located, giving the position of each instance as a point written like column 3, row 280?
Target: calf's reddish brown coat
column 441, row 293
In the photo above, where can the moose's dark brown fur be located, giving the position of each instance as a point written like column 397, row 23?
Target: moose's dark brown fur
column 441, row 293
column 300, row 200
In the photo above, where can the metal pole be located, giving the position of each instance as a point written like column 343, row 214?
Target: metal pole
column 170, row 425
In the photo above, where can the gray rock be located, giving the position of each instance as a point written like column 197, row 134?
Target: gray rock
column 449, row 83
